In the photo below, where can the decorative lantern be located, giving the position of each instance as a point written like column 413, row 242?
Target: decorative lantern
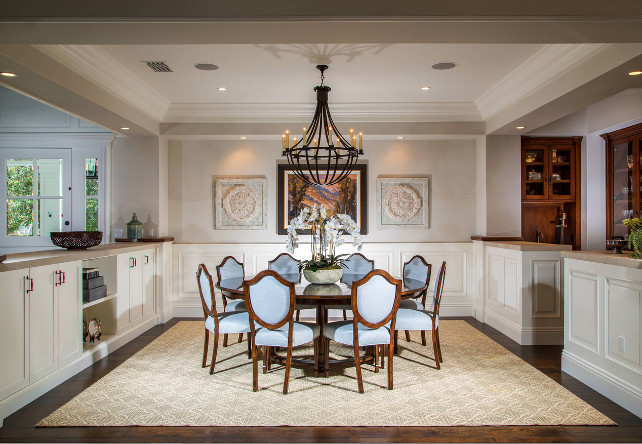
column 134, row 228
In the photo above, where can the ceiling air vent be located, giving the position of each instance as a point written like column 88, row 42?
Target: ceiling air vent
column 158, row 66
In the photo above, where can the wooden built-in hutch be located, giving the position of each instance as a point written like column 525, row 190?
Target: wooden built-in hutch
column 551, row 211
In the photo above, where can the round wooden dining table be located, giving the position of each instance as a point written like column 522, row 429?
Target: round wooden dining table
column 321, row 297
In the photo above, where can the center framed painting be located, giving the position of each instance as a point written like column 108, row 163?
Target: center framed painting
column 349, row 197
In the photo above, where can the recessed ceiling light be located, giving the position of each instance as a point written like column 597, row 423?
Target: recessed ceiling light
column 124, row 128
column 520, row 127
column 425, row 88
column 206, row 66
column 243, row 137
column 9, row 74
column 444, row 65
column 632, row 73
column 222, row 88
column 400, row 137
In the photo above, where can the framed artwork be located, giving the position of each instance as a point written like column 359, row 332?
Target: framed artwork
column 403, row 202
column 346, row 197
column 240, row 203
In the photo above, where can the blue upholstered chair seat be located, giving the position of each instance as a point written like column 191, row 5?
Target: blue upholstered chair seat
column 408, row 319
column 341, row 332
column 235, row 305
column 411, row 304
column 231, row 322
column 302, row 333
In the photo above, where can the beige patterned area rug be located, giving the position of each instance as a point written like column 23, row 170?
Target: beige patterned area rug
column 480, row 383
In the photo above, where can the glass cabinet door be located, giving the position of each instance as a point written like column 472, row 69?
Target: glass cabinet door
column 534, row 174
column 622, row 183
column 562, row 172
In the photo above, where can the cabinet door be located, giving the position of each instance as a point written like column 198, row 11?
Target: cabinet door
column 69, row 313
column 14, row 340
column 136, row 288
column 43, row 322
column 623, row 178
column 561, row 180
column 535, row 160
column 149, row 275
column 123, row 264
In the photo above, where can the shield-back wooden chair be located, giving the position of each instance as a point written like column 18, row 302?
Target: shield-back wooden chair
column 228, row 269
column 416, row 269
column 375, row 300
column 224, row 323
column 355, row 267
column 288, row 267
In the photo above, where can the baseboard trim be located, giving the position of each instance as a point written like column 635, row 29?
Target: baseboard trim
column 33, row 391
column 616, row 389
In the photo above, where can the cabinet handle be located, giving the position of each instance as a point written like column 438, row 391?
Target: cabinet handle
column 135, row 262
column 57, row 275
column 146, row 259
column 131, row 262
column 63, row 277
column 29, row 286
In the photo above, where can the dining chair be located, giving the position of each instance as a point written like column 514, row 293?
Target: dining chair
column 288, row 267
column 409, row 319
column 355, row 267
column 230, row 268
column 224, row 323
column 270, row 302
column 375, row 300
column 416, row 269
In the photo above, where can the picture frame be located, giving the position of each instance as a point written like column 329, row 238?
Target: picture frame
column 240, row 203
column 403, row 202
column 291, row 189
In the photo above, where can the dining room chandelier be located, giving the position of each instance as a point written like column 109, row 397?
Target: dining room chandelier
column 322, row 156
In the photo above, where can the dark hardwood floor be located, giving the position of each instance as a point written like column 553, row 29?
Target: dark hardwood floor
column 19, row 427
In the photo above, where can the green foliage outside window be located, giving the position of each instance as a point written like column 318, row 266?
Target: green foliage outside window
column 19, row 211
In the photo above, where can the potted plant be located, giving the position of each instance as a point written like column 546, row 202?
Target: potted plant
column 325, row 267
column 635, row 235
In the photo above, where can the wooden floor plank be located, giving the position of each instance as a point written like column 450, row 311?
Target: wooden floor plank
column 20, row 427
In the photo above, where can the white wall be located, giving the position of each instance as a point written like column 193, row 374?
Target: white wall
column 135, row 182
column 503, row 186
column 193, row 165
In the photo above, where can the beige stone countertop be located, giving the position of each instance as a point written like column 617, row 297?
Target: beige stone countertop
column 604, row 257
column 528, row 246
column 19, row 261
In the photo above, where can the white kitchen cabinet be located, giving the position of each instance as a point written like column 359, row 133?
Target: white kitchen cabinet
column 136, row 281
column 69, row 312
column 14, row 340
column 43, row 320
column 149, row 282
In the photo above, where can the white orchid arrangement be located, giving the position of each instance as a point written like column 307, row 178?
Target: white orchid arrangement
column 327, row 234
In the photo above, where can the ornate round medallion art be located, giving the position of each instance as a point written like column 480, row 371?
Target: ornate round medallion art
column 241, row 203
column 402, row 203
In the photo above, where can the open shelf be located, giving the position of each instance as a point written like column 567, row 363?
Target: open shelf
column 98, row 301
column 87, row 346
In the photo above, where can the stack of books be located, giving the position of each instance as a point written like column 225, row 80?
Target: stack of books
column 93, row 285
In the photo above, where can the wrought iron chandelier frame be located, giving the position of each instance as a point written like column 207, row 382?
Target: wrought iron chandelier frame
column 310, row 160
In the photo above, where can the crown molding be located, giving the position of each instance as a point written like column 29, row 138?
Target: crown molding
column 291, row 112
column 546, row 65
column 97, row 66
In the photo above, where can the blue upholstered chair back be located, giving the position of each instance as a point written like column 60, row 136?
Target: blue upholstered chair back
column 375, row 299
column 206, row 294
column 286, row 266
column 357, row 265
column 416, row 269
column 439, row 287
column 269, row 300
column 230, row 268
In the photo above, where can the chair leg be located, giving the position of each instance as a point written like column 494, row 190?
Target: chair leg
column 316, row 355
column 249, row 346
column 288, row 365
column 390, row 353
column 423, row 338
column 345, row 315
column 396, row 346
column 327, row 357
column 435, row 348
column 357, row 363
column 207, row 340
column 383, row 354
column 441, row 359
column 225, row 340
column 255, row 369
column 240, row 337
column 407, row 336
column 376, row 358
column 265, row 358
column 214, row 350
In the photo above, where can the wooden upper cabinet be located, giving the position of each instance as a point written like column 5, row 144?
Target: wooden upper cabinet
column 549, row 168
column 623, row 179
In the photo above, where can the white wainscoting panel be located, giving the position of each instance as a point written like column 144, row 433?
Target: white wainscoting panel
column 622, row 304
column 512, row 284
column 546, row 288
column 582, row 298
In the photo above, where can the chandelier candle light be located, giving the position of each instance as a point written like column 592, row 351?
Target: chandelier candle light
column 313, row 162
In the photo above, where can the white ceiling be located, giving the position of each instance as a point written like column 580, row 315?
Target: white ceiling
column 510, row 70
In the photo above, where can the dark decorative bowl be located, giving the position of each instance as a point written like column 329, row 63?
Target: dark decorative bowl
column 76, row 240
column 616, row 245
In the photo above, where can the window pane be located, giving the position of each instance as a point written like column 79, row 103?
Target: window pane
column 50, row 216
column 91, row 215
column 50, row 177
column 91, row 177
column 19, row 217
column 19, row 177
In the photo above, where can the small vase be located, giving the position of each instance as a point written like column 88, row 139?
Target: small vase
column 327, row 276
